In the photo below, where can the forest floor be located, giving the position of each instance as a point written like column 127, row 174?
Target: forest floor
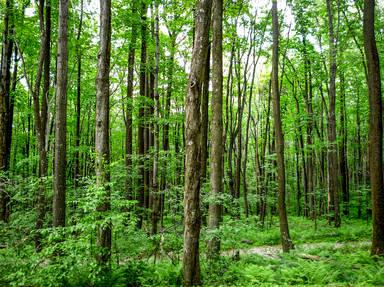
column 300, row 250
column 324, row 256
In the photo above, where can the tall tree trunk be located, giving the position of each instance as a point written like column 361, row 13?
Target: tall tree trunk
column 298, row 179
column 61, row 118
column 40, row 114
column 129, row 109
column 204, row 116
column 228, row 122
column 9, row 97
column 47, row 70
column 192, row 214
column 5, row 80
column 76, row 168
column 375, row 128
column 11, row 107
column 155, row 186
column 333, row 196
column 343, row 153
column 359, row 158
column 141, row 127
column 284, row 230
column 102, row 133
column 310, row 197
column 239, row 130
column 217, row 126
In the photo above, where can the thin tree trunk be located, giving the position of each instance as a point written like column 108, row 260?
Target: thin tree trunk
column 76, row 169
column 217, row 127
column 129, row 109
column 228, row 122
column 359, row 158
column 61, row 119
column 284, row 229
column 298, row 179
column 204, row 116
column 9, row 97
column 40, row 116
column 141, row 126
column 192, row 214
column 343, row 153
column 155, row 186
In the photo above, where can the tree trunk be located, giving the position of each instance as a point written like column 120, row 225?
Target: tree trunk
column 204, row 116
column 76, row 168
column 5, row 80
column 375, row 128
column 129, row 109
column 61, row 118
column 333, row 196
column 284, row 230
column 40, row 114
column 192, row 215
column 141, row 126
column 343, row 153
column 239, row 130
column 102, row 134
column 359, row 158
column 155, row 186
column 217, row 127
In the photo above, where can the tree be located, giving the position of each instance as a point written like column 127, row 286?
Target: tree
column 102, row 133
column 40, row 111
column 375, row 128
column 141, row 125
column 333, row 197
column 284, row 229
column 76, row 167
column 155, row 186
column 192, row 214
column 61, row 118
column 6, row 104
column 129, row 109
column 217, row 126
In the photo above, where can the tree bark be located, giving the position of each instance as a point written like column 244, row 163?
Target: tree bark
column 5, row 80
column 61, row 119
column 216, row 177
column 284, row 229
column 192, row 212
column 40, row 115
column 333, row 196
column 155, row 186
column 375, row 128
column 76, row 168
column 129, row 109
column 343, row 152
column 204, row 116
column 141, row 126
column 102, row 133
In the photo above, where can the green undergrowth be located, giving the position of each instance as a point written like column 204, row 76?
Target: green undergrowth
column 337, row 257
column 349, row 265
column 246, row 233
